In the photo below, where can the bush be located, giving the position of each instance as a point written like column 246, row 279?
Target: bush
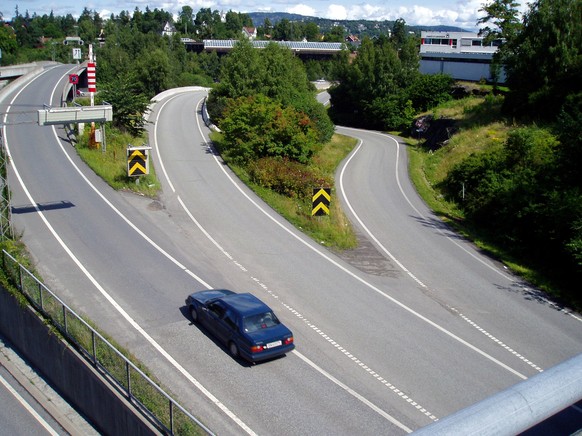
column 286, row 177
column 256, row 127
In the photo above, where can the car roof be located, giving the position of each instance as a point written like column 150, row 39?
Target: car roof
column 210, row 294
column 245, row 303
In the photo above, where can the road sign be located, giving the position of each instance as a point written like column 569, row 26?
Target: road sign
column 76, row 53
column 74, row 79
column 69, row 115
column 137, row 161
column 73, row 40
column 321, row 199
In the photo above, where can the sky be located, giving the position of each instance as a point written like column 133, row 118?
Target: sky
column 459, row 13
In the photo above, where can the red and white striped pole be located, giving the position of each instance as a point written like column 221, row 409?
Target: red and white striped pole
column 91, row 78
column 92, row 87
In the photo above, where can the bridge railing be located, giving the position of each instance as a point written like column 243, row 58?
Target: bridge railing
column 150, row 399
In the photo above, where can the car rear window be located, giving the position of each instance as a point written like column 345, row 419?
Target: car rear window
column 260, row 321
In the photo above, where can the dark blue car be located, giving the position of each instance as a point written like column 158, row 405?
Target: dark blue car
column 246, row 325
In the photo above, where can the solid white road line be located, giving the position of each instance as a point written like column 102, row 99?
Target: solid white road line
column 28, row 407
column 98, row 286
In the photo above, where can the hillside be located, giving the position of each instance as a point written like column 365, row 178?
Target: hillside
column 353, row 27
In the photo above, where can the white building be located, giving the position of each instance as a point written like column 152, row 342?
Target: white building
column 169, row 29
column 462, row 55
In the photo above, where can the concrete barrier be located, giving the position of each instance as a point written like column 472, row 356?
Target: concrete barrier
column 67, row 372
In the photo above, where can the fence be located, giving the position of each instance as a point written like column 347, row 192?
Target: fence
column 151, row 400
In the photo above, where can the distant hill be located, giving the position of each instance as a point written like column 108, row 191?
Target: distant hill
column 353, row 27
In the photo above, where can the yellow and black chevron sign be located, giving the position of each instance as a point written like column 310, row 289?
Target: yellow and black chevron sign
column 137, row 161
column 321, row 199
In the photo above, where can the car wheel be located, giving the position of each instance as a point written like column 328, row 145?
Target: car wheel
column 194, row 313
column 233, row 348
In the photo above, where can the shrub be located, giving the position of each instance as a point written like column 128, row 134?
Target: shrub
column 286, row 177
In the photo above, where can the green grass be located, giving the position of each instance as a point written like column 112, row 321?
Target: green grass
column 111, row 164
column 481, row 126
column 334, row 230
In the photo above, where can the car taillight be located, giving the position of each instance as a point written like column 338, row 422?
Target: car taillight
column 288, row 341
column 257, row 348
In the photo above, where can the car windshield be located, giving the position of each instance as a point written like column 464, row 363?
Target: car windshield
column 260, row 321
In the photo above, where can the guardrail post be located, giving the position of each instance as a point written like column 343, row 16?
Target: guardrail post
column 171, row 416
column 128, row 375
column 65, row 319
column 94, row 346
column 20, row 284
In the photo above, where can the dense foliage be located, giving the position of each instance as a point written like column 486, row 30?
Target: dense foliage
column 382, row 87
column 528, row 192
column 265, row 105
column 257, row 126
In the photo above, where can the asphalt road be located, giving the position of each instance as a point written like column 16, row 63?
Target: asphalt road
column 20, row 414
column 29, row 405
column 412, row 326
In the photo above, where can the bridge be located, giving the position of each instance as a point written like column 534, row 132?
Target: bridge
column 14, row 71
column 304, row 49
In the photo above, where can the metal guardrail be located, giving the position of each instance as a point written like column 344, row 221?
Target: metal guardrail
column 124, row 375
column 206, row 117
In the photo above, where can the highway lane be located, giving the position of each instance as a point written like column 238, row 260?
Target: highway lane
column 381, row 201
column 203, row 192
column 117, row 268
column 364, row 363
column 29, row 405
column 20, row 414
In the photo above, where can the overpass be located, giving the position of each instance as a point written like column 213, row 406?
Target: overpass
column 11, row 72
column 303, row 49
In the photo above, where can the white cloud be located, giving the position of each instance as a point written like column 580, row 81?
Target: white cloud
column 336, row 12
column 302, row 9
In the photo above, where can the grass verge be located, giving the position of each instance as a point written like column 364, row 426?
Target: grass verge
column 111, row 163
column 334, row 230
column 480, row 126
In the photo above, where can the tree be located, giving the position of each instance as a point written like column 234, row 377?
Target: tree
column 504, row 17
column 311, row 31
column 382, row 88
column 8, row 43
column 399, row 35
column 242, row 73
column 336, row 34
column 543, row 62
column 267, row 29
column 89, row 25
column 283, row 31
column 186, row 20
column 209, row 25
column 129, row 103
column 256, row 127
column 152, row 70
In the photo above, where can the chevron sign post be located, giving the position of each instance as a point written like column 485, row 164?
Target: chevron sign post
column 321, row 199
column 137, row 161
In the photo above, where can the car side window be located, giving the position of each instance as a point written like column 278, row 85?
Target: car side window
column 229, row 319
column 217, row 309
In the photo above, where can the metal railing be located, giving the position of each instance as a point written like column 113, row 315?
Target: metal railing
column 151, row 400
